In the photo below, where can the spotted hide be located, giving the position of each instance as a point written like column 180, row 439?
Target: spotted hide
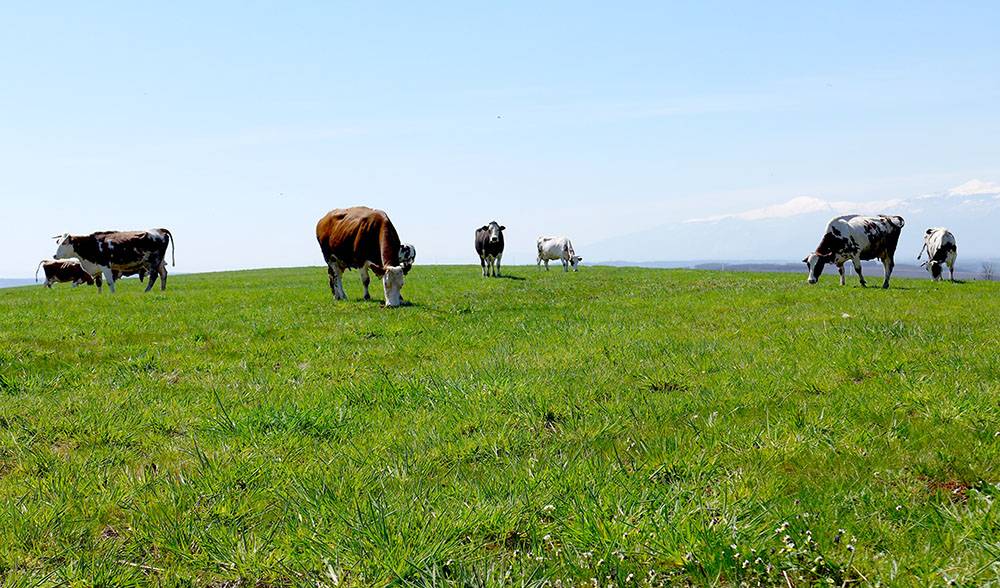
column 112, row 253
column 856, row 238
column 941, row 249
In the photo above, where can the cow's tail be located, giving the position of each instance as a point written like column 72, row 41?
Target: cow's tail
column 38, row 268
column 922, row 249
column 173, row 260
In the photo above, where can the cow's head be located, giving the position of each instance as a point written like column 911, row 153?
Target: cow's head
column 64, row 247
column 815, row 262
column 934, row 267
column 407, row 255
column 494, row 232
column 392, row 281
column 575, row 260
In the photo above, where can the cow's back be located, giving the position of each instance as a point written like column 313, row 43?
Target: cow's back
column 357, row 235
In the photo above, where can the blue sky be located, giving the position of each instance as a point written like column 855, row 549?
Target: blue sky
column 237, row 125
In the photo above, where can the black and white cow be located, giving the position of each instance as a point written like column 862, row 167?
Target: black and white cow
column 109, row 253
column 941, row 248
column 854, row 237
column 489, row 246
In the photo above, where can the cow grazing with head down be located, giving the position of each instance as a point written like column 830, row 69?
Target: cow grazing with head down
column 363, row 238
column 941, row 248
column 854, row 237
column 63, row 270
column 489, row 246
column 551, row 248
column 111, row 253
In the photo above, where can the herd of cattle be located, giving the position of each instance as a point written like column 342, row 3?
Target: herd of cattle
column 364, row 239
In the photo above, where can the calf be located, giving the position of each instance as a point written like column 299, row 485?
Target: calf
column 941, row 248
column 550, row 248
column 121, row 252
column 363, row 238
column 856, row 238
column 489, row 246
column 63, row 270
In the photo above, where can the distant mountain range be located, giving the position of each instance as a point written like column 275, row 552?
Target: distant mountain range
column 969, row 269
column 787, row 231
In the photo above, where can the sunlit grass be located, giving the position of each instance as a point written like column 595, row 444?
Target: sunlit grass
column 625, row 425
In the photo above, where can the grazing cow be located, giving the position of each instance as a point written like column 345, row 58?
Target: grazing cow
column 856, row 238
column 63, row 270
column 363, row 238
column 113, row 253
column 550, row 248
column 940, row 246
column 489, row 246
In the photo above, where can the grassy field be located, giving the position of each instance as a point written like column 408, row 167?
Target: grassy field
column 618, row 426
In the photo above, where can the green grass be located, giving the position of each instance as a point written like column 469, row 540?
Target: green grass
column 625, row 425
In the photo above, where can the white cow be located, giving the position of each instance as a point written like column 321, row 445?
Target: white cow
column 551, row 248
column 940, row 246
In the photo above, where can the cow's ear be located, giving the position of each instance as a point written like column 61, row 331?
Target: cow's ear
column 503, row 228
column 484, row 228
column 805, row 259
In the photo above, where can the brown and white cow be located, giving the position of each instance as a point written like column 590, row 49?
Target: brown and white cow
column 363, row 238
column 63, row 270
column 113, row 253
column 854, row 237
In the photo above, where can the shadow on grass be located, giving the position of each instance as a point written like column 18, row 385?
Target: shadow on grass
column 509, row 277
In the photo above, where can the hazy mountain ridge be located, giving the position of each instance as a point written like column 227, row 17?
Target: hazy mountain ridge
column 790, row 230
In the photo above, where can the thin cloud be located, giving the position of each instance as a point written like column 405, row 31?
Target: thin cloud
column 976, row 188
column 805, row 205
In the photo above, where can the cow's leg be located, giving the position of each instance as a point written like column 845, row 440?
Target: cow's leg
column 153, row 274
column 48, row 283
column 109, row 276
column 163, row 276
column 857, row 269
column 334, row 271
column 951, row 270
column 365, row 280
column 482, row 264
column 546, row 265
column 98, row 280
column 565, row 263
column 840, row 270
column 538, row 262
column 496, row 271
column 492, row 267
column 888, row 264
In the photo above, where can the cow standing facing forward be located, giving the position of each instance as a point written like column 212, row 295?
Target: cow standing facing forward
column 362, row 238
column 854, row 237
column 120, row 252
column 941, row 248
column 550, row 248
column 489, row 246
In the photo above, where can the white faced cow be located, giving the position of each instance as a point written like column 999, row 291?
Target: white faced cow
column 362, row 238
column 854, row 237
column 940, row 246
column 550, row 248
column 489, row 246
column 120, row 252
